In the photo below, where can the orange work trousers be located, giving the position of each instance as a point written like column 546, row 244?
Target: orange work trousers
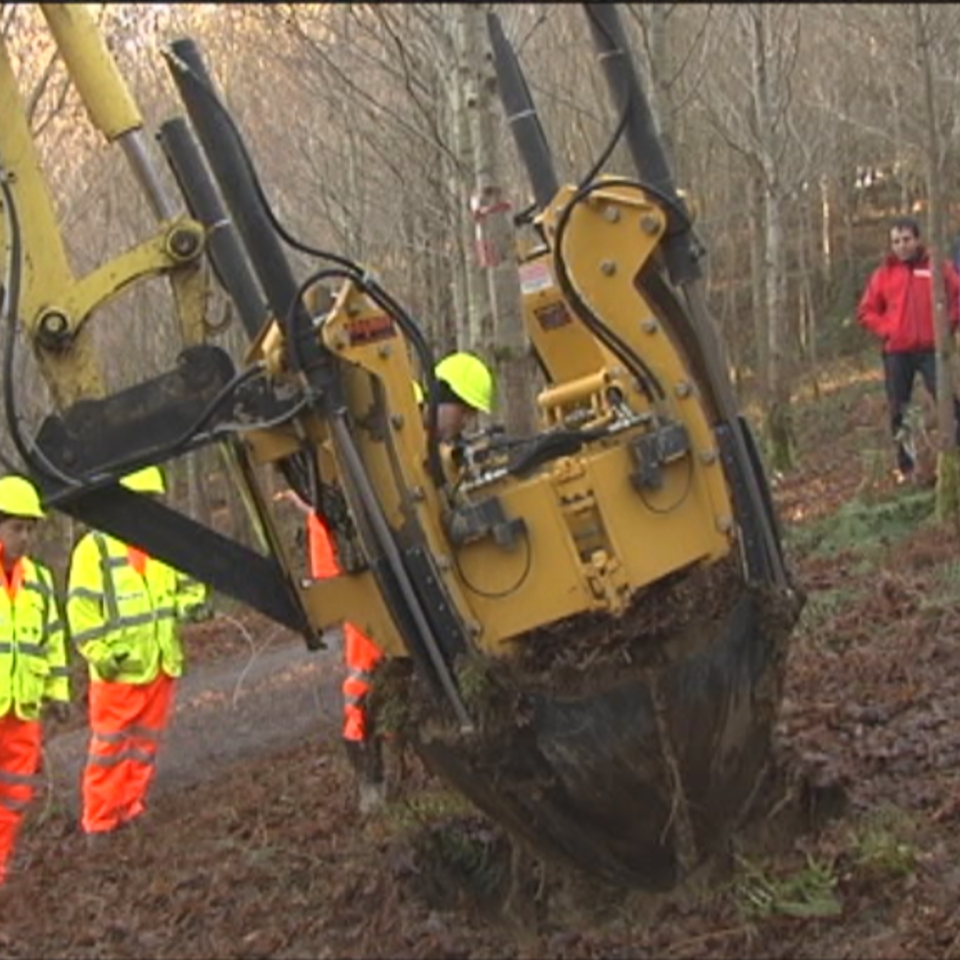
column 360, row 653
column 19, row 761
column 127, row 721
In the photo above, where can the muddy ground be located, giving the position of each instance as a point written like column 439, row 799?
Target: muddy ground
column 252, row 846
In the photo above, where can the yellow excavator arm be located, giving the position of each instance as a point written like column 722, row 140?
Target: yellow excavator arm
column 616, row 577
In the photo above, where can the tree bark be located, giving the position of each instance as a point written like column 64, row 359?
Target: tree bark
column 501, row 336
column 948, row 460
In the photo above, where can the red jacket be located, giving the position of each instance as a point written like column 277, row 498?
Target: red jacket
column 898, row 308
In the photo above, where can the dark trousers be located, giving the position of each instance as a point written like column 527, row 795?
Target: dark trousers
column 900, row 370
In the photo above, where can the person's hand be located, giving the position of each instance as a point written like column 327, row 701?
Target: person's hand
column 198, row 613
column 58, row 710
column 291, row 496
column 109, row 667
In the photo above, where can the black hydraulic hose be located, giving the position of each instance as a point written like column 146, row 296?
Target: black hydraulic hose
column 188, row 66
column 11, row 304
column 642, row 139
column 641, row 370
column 350, row 268
column 32, row 458
column 413, row 332
column 600, row 162
column 522, row 116
column 230, row 163
column 224, row 247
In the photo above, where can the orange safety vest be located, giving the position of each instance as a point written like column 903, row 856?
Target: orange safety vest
column 323, row 561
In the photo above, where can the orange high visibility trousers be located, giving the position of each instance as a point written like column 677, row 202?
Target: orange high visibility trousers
column 360, row 653
column 127, row 721
column 19, row 760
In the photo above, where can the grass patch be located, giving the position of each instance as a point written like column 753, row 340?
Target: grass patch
column 426, row 807
column 809, row 892
column 861, row 527
column 881, row 844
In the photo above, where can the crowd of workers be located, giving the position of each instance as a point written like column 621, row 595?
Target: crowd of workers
column 122, row 614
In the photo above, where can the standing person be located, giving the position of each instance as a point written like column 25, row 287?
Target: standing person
column 897, row 306
column 33, row 659
column 361, row 655
column 123, row 611
column 464, row 385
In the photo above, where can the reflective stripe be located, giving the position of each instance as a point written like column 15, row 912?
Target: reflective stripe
column 135, row 620
column 55, row 627
column 354, row 699
column 354, row 674
column 12, row 803
column 33, row 649
column 94, row 633
column 145, row 733
column 118, row 737
column 115, row 563
column 132, row 753
column 59, row 671
column 128, row 733
column 24, row 779
column 6, row 646
column 109, row 591
column 84, row 593
column 37, row 585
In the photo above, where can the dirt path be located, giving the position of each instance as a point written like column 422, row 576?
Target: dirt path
column 276, row 695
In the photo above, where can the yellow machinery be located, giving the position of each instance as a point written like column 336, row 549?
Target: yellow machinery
column 616, row 579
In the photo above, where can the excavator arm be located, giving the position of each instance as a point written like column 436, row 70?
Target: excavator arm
column 587, row 624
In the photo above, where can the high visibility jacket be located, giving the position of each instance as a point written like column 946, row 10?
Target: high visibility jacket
column 115, row 611
column 33, row 655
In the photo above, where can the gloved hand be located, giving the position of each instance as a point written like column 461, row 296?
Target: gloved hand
column 109, row 667
column 58, row 710
column 198, row 613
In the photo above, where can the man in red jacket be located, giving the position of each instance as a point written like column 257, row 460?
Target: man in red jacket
column 897, row 306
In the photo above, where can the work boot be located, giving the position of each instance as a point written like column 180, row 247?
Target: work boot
column 906, row 454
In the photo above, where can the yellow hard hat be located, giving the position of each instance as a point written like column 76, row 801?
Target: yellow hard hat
column 417, row 392
column 468, row 377
column 19, row 498
column 145, row 480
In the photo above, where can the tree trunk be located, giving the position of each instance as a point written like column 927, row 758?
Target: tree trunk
column 777, row 373
column 502, row 336
column 476, row 334
column 757, row 297
column 826, row 226
column 948, row 460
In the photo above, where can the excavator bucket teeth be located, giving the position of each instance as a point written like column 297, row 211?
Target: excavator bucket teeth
column 638, row 779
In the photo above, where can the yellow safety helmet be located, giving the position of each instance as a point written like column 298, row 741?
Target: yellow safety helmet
column 145, row 480
column 468, row 377
column 19, row 498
